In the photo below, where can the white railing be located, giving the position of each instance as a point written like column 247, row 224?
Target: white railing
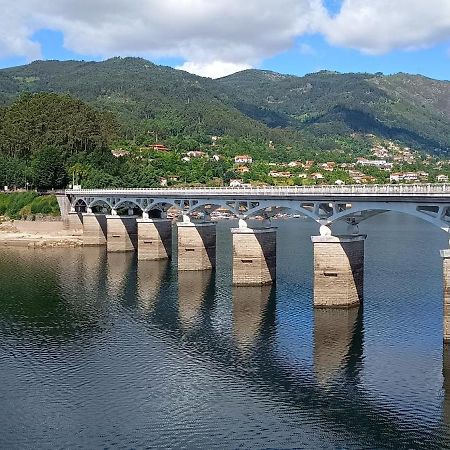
column 278, row 191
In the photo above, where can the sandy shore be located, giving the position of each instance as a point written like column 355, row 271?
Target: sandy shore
column 37, row 234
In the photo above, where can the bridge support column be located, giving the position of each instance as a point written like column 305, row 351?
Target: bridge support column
column 122, row 233
column 196, row 246
column 154, row 239
column 445, row 254
column 75, row 220
column 94, row 229
column 254, row 256
column 338, row 270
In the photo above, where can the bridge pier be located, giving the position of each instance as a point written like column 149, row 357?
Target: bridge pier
column 94, row 229
column 75, row 220
column 121, row 233
column 445, row 254
column 154, row 239
column 254, row 256
column 338, row 270
column 196, row 246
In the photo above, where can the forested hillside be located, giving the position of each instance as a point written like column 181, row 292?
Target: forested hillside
column 96, row 123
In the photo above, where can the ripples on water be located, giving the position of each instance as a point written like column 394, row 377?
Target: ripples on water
column 99, row 351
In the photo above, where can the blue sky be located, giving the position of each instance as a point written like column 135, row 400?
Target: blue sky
column 305, row 36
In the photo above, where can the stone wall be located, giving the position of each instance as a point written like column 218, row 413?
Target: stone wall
column 338, row 270
column 196, row 246
column 122, row 234
column 154, row 239
column 94, row 229
column 254, row 256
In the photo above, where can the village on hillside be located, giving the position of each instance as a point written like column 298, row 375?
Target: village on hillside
column 385, row 162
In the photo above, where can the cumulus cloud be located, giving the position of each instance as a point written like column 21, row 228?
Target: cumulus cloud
column 217, row 37
column 378, row 26
column 213, row 37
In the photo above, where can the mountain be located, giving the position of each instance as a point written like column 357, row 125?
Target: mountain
column 314, row 111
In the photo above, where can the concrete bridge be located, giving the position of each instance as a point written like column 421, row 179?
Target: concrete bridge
column 136, row 220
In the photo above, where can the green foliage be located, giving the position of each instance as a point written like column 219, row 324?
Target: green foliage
column 46, row 205
column 47, row 169
column 12, row 204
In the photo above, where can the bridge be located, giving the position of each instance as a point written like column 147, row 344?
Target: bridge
column 136, row 220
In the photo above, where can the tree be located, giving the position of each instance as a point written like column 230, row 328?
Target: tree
column 47, row 169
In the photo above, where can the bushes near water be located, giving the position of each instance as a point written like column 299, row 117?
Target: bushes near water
column 20, row 205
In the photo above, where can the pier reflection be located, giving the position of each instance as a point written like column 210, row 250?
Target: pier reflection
column 118, row 270
column 249, row 310
column 338, row 343
column 150, row 275
column 193, row 288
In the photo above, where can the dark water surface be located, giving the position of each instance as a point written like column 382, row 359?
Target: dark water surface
column 100, row 351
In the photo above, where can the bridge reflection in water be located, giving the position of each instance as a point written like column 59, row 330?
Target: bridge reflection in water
column 184, row 303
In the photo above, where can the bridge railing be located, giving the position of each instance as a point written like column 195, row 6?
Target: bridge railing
column 357, row 189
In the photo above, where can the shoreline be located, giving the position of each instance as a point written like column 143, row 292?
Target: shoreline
column 38, row 234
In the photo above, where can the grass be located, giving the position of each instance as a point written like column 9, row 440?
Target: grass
column 18, row 205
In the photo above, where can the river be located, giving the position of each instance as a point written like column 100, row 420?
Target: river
column 103, row 351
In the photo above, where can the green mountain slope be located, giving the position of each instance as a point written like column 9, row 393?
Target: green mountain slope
column 314, row 111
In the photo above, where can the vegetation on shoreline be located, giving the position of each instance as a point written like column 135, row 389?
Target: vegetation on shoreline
column 20, row 205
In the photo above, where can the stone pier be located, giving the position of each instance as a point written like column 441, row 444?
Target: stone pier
column 338, row 270
column 254, row 256
column 75, row 220
column 94, row 229
column 154, row 239
column 122, row 233
column 445, row 254
column 196, row 246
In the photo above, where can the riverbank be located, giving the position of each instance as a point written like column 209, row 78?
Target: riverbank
column 38, row 234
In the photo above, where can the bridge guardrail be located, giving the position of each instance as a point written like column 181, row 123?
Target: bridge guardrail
column 361, row 189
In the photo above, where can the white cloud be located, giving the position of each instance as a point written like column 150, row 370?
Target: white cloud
column 378, row 26
column 213, row 36
column 216, row 37
column 213, row 69
column 306, row 49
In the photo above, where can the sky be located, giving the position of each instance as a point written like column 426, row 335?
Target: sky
column 217, row 37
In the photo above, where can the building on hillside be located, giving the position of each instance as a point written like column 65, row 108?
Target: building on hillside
column 243, row 159
column 242, row 169
column 378, row 163
column 236, row 182
column 120, row 152
column 317, row 176
column 328, row 166
column 307, row 165
column 195, row 154
column 215, row 158
column 442, row 179
column 159, row 148
column 295, row 164
column 185, row 159
column 339, row 183
column 163, row 182
column 277, row 174
column 408, row 177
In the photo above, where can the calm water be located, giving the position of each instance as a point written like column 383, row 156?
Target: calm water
column 100, row 351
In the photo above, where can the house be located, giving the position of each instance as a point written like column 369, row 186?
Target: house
column 339, row 183
column 174, row 177
column 379, row 163
column 295, row 164
column 120, row 152
column 317, row 176
column 243, row 159
column 236, row 183
column 442, row 179
column 195, row 154
column 215, row 158
column 307, row 165
column 276, row 174
column 328, row 167
column 159, row 148
column 163, row 182
column 185, row 159
column 242, row 169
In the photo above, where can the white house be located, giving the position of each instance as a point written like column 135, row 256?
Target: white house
column 243, row 159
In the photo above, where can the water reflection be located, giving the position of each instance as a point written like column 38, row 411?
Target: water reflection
column 193, row 288
column 118, row 268
column 249, row 309
column 150, row 275
column 338, row 343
